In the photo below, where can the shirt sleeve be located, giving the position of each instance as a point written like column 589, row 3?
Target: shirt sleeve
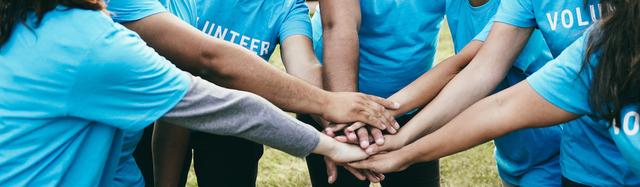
column 213, row 109
column 482, row 36
column 565, row 81
column 297, row 21
column 133, row 10
column 516, row 12
column 183, row 9
column 125, row 83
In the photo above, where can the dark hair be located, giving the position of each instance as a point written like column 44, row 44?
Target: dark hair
column 615, row 39
column 13, row 12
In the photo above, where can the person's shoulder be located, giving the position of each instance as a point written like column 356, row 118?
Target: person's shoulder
column 81, row 23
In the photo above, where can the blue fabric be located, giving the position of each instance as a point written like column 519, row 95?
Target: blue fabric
column 133, row 10
column 561, row 21
column 526, row 157
column 627, row 138
column 398, row 40
column 588, row 153
column 264, row 24
column 70, row 89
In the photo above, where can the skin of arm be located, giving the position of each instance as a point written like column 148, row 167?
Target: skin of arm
column 235, row 67
column 300, row 61
column 341, row 53
column 170, row 142
column 473, row 83
column 340, row 24
column 420, row 92
column 515, row 108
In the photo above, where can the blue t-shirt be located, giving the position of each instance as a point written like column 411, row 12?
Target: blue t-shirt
column 398, row 40
column 626, row 136
column 561, row 21
column 132, row 10
column 589, row 155
column 262, row 26
column 128, row 173
column 67, row 99
column 520, row 155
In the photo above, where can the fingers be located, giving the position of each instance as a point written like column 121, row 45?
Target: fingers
column 370, row 116
column 357, row 173
column 355, row 126
column 342, row 139
column 363, row 136
column 332, row 171
column 385, row 103
column 351, row 136
column 377, row 136
column 364, row 164
column 337, row 127
column 379, row 175
column 371, row 176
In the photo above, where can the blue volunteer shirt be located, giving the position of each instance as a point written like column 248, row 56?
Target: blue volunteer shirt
column 264, row 24
column 527, row 157
column 398, row 40
column 626, row 136
column 561, row 21
column 128, row 173
column 589, row 156
column 70, row 89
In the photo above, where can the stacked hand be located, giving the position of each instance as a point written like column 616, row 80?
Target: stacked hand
column 361, row 119
column 368, row 138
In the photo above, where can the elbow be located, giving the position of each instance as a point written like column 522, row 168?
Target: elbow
column 211, row 66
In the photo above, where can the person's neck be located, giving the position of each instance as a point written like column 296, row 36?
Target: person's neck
column 477, row 3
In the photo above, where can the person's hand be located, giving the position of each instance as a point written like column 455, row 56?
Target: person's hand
column 348, row 107
column 338, row 151
column 394, row 161
column 391, row 143
column 364, row 136
column 332, row 172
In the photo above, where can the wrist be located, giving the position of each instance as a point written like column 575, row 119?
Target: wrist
column 323, row 104
column 326, row 146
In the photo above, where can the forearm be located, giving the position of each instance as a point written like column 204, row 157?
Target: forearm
column 341, row 22
column 300, row 61
column 487, row 69
column 170, row 145
column 515, row 108
column 221, row 111
column 426, row 87
column 230, row 65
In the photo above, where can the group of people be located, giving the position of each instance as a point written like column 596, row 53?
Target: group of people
column 129, row 92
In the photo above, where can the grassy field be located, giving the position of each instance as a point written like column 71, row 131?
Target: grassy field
column 475, row 167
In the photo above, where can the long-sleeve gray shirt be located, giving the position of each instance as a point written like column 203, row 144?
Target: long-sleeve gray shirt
column 217, row 110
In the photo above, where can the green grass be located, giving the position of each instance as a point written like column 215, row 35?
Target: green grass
column 474, row 167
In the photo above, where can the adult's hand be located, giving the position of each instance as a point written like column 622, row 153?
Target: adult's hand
column 347, row 107
column 332, row 168
column 394, row 161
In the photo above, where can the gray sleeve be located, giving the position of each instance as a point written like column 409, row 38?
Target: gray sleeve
column 217, row 110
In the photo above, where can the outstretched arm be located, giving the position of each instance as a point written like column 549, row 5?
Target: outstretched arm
column 473, row 83
column 426, row 87
column 235, row 67
column 515, row 108
column 213, row 109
